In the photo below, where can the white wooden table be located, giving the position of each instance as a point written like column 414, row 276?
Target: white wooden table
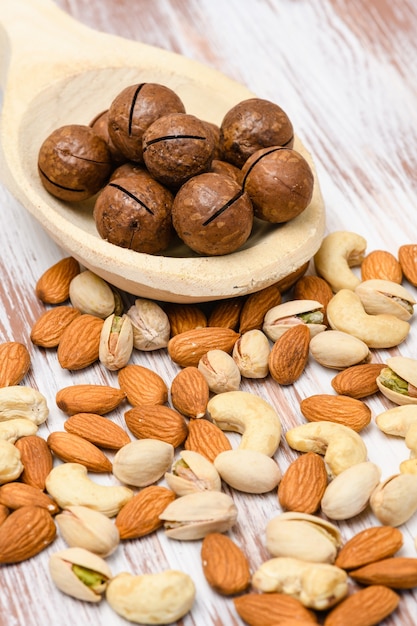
column 344, row 70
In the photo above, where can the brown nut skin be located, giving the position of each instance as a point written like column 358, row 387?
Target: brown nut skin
column 251, row 125
column 74, row 163
column 133, row 110
column 227, row 169
column 135, row 212
column 212, row 214
column 130, row 169
column 177, row 147
column 100, row 125
column 279, row 182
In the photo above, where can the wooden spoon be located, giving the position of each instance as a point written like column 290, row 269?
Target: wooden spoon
column 62, row 72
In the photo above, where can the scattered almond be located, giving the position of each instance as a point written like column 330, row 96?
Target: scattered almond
column 407, row 256
column 15, row 495
column 367, row 607
column 36, row 458
column 226, row 313
column 267, row 609
column 14, row 363
column 289, row 281
column 183, row 317
column 358, row 381
column 338, row 409
column 256, row 305
column 97, row 429
column 303, row 484
column 74, row 449
column 98, row 399
column 206, row 438
column 4, row 513
column 53, row 286
column 48, row 328
column 190, row 392
column 225, row 565
column 24, row 533
column 157, row 422
column 397, row 572
column 380, row 264
column 187, row 348
column 289, row 355
column 369, row 545
column 142, row 385
column 140, row 516
column 79, row 344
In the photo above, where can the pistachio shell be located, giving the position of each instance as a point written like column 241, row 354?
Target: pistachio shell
column 61, row 570
column 193, row 473
column 338, row 350
column 406, row 368
column 384, row 296
column 281, row 317
column 83, row 527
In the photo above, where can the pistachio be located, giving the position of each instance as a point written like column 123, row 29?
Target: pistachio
column 383, row 296
column 151, row 327
column 251, row 354
column 396, row 421
column 10, row 464
column 281, row 317
column 116, row 342
column 19, row 401
column 411, row 440
column 339, row 251
column 398, row 381
column 80, row 573
column 142, row 462
column 316, row 585
column 83, row 527
column 191, row 473
column 249, row 471
column 91, row 294
column 220, row 371
column 13, row 429
column 195, row 515
column 341, row 446
column 161, row 598
column 394, row 500
column 338, row 350
column 348, row 493
column 303, row 536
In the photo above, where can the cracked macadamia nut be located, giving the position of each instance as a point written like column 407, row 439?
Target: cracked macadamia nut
column 134, row 109
column 212, row 214
column 279, row 182
column 251, row 125
column 135, row 212
column 74, row 162
column 177, row 147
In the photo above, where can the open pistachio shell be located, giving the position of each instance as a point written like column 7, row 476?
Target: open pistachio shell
column 281, row 317
column 394, row 382
column 192, row 473
column 80, row 573
column 383, row 296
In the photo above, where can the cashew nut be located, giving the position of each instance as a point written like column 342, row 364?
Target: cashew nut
column 345, row 312
column 19, row 401
column 315, row 585
column 339, row 251
column 10, row 464
column 69, row 484
column 251, row 416
column 11, row 430
column 397, row 421
column 394, row 500
column 341, row 446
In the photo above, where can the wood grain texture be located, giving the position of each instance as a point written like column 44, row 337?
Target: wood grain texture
column 344, row 71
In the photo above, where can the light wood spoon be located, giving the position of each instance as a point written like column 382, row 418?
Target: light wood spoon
column 56, row 71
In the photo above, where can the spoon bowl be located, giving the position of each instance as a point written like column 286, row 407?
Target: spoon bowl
column 57, row 71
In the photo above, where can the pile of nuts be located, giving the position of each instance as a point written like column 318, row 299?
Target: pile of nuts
column 176, row 433
column 161, row 172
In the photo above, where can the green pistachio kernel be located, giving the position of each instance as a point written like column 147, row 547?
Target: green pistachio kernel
column 392, row 381
column 312, row 317
column 90, row 578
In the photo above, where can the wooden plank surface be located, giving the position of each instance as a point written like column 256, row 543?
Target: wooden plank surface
column 344, row 70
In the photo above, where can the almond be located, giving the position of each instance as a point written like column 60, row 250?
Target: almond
column 303, row 484
column 48, row 328
column 15, row 495
column 225, row 565
column 369, row 545
column 380, row 264
column 190, row 392
column 267, row 609
column 186, row 349
column 314, row 288
column 98, row 430
column 407, row 256
column 98, row 399
column 140, row 516
column 367, row 607
column 4, row 513
column 157, row 422
column 14, row 363
column 289, row 281
column 256, row 305
column 206, row 438
column 358, row 381
column 74, row 449
column 53, row 286
column 24, row 533
column 36, row 458
column 183, row 317
column 289, row 355
column 397, row 572
column 79, row 344
column 142, row 385
column 338, row 409
column 226, row 313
